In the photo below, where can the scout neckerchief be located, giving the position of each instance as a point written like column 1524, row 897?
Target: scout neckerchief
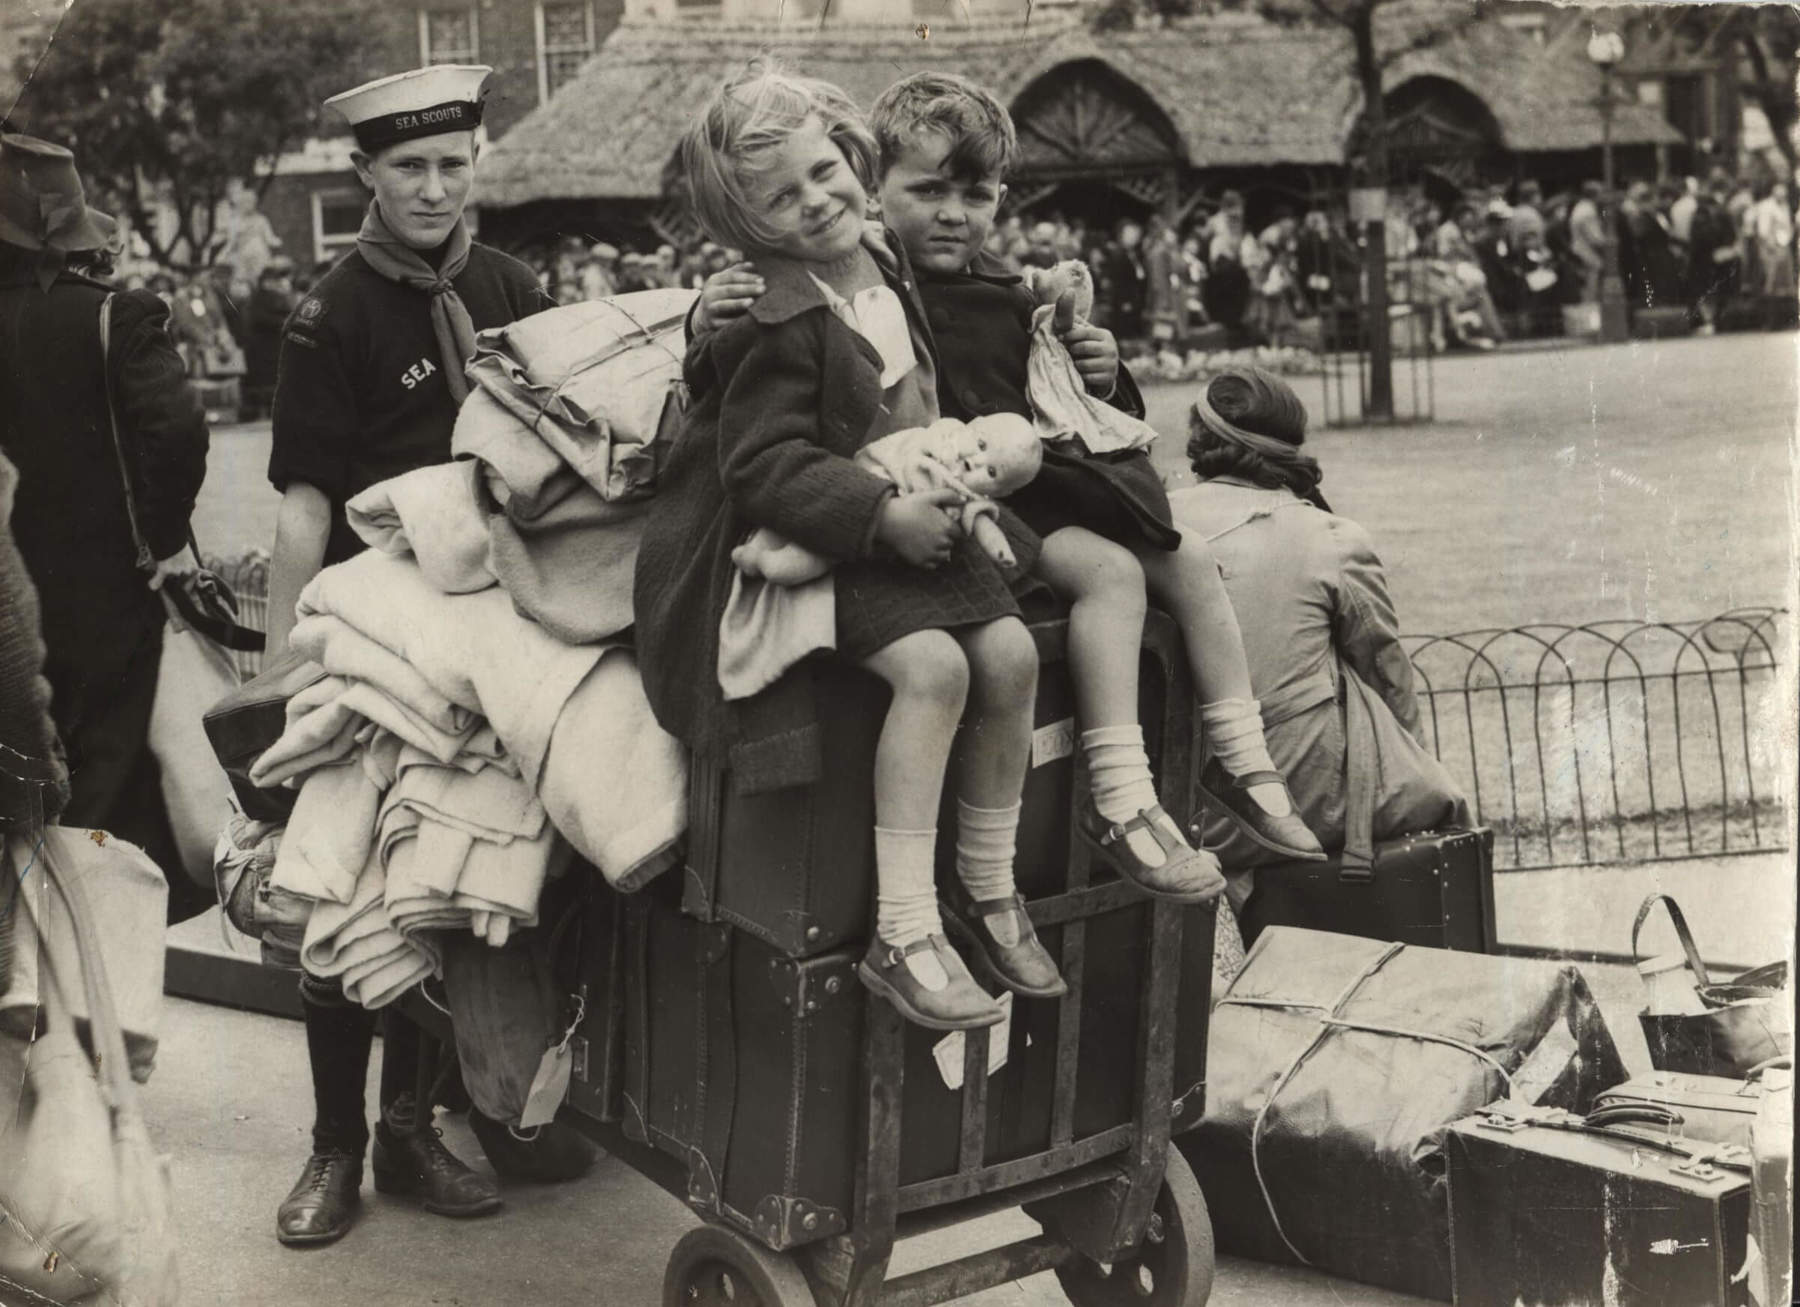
column 450, row 321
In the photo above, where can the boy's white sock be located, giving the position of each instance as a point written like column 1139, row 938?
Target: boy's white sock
column 985, row 842
column 1234, row 732
column 1120, row 781
column 906, row 902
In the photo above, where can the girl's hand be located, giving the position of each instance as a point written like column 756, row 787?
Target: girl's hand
column 729, row 293
column 919, row 527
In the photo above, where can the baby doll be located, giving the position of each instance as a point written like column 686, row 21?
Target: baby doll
column 981, row 460
column 1060, row 402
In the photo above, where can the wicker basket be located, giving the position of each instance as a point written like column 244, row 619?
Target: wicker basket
column 248, row 576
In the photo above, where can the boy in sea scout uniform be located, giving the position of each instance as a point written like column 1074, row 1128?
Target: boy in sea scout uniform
column 370, row 377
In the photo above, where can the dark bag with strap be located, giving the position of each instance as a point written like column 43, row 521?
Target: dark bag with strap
column 1746, row 1022
column 243, row 725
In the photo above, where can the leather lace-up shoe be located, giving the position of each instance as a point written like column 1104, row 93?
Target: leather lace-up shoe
column 323, row 1203
column 1025, row 967
column 549, row 1154
column 1286, row 834
column 417, row 1165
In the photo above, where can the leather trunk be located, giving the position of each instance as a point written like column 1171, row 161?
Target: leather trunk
column 1563, row 1213
column 1337, row 1064
column 1434, row 889
column 796, row 867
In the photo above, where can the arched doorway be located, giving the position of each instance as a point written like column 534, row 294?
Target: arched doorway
column 1436, row 128
column 1093, row 144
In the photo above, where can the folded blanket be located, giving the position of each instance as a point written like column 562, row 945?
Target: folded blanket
column 330, row 835
column 569, row 567
column 355, row 943
column 615, row 783
column 464, row 851
column 349, row 649
column 471, row 650
column 433, row 513
column 326, row 718
column 519, row 473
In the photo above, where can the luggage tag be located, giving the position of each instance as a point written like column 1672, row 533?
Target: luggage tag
column 551, row 1083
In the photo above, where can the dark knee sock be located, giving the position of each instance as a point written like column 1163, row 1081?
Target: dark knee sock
column 400, row 1053
column 338, row 1037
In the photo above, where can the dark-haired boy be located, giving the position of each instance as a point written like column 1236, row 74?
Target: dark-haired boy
column 946, row 145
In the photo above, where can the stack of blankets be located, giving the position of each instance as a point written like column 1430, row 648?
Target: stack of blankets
column 481, row 719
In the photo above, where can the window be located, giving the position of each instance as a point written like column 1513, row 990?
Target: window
column 449, row 36
column 336, row 218
column 565, row 36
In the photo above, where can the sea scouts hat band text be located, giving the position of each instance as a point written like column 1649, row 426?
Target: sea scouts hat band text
column 389, row 128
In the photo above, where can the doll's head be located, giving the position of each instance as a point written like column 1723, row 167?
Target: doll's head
column 1049, row 285
column 995, row 455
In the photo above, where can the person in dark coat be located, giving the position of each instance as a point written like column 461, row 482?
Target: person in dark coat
column 1123, row 282
column 102, row 618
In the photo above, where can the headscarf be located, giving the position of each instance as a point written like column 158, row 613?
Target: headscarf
column 450, row 320
column 1258, row 411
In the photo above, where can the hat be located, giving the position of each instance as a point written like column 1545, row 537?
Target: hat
column 1499, row 209
column 604, row 252
column 421, row 102
column 42, row 204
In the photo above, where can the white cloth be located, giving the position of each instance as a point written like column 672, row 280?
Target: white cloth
column 473, row 650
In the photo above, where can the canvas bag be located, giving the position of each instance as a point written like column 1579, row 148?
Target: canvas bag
column 84, row 1198
column 1746, row 1023
column 194, row 673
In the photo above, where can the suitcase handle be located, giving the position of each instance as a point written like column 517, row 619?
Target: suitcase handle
column 1657, row 1114
column 1695, row 964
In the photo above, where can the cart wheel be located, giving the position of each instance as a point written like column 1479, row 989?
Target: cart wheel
column 711, row 1267
column 1173, row 1267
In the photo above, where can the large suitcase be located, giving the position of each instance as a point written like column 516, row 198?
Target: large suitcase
column 1434, row 889
column 1547, row 1209
column 746, row 1064
column 1338, row 1063
column 796, row 867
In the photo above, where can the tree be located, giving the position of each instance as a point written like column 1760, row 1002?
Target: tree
column 1381, row 33
column 165, row 102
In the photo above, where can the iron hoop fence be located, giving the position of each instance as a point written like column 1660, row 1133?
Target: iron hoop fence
column 1612, row 741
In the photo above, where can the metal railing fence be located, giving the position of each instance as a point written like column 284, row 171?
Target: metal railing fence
column 1612, row 741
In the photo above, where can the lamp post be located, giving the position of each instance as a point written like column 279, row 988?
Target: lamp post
column 1604, row 51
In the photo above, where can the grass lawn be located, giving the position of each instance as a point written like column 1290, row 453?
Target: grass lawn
column 1649, row 481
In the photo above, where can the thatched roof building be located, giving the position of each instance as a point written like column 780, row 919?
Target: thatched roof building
column 1162, row 115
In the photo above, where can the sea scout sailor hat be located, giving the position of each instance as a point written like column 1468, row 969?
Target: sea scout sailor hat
column 422, row 102
column 42, row 204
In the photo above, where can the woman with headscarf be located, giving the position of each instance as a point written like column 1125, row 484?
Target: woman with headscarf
column 1320, row 633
